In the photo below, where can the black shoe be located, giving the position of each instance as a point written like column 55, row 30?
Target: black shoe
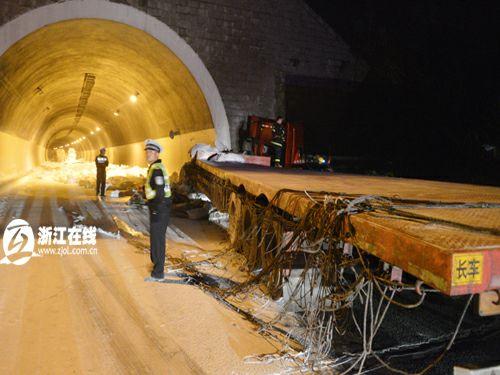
column 162, row 276
column 154, row 279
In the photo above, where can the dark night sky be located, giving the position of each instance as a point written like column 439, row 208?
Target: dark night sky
column 431, row 99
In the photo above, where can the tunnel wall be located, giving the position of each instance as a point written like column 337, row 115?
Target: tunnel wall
column 248, row 46
column 18, row 156
column 175, row 151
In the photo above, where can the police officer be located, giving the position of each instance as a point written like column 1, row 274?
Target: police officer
column 278, row 143
column 159, row 201
column 101, row 162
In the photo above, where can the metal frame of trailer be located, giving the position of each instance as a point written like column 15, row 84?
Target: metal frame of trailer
column 445, row 234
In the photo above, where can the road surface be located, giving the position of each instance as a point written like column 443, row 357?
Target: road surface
column 95, row 314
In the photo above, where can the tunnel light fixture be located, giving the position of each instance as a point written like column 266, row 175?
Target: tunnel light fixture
column 97, row 129
column 133, row 98
column 91, row 132
column 116, row 113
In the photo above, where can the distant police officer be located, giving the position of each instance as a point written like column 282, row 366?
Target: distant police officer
column 278, row 143
column 159, row 201
column 101, row 162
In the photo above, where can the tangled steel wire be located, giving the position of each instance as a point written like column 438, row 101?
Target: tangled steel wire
column 312, row 262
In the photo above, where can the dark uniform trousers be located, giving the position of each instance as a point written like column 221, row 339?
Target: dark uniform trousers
column 278, row 145
column 159, row 216
column 100, row 181
column 278, row 154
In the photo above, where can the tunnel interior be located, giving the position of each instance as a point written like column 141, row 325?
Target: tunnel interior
column 84, row 84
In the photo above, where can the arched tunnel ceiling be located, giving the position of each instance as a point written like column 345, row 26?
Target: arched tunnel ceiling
column 42, row 77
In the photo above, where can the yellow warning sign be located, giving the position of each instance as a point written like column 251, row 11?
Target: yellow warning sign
column 467, row 269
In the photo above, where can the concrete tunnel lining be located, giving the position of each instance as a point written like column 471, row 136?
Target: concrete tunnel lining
column 96, row 12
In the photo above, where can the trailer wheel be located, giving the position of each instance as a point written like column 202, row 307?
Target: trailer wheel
column 235, row 220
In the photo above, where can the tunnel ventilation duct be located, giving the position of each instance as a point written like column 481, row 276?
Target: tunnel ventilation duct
column 88, row 84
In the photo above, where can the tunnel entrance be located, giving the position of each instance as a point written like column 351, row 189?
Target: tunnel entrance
column 91, row 83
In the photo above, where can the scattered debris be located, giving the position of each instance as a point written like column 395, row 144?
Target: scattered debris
column 109, row 234
column 207, row 152
column 136, row 199
column 121, row 180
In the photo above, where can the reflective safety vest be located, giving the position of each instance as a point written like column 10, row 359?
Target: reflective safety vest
column 148, row 189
